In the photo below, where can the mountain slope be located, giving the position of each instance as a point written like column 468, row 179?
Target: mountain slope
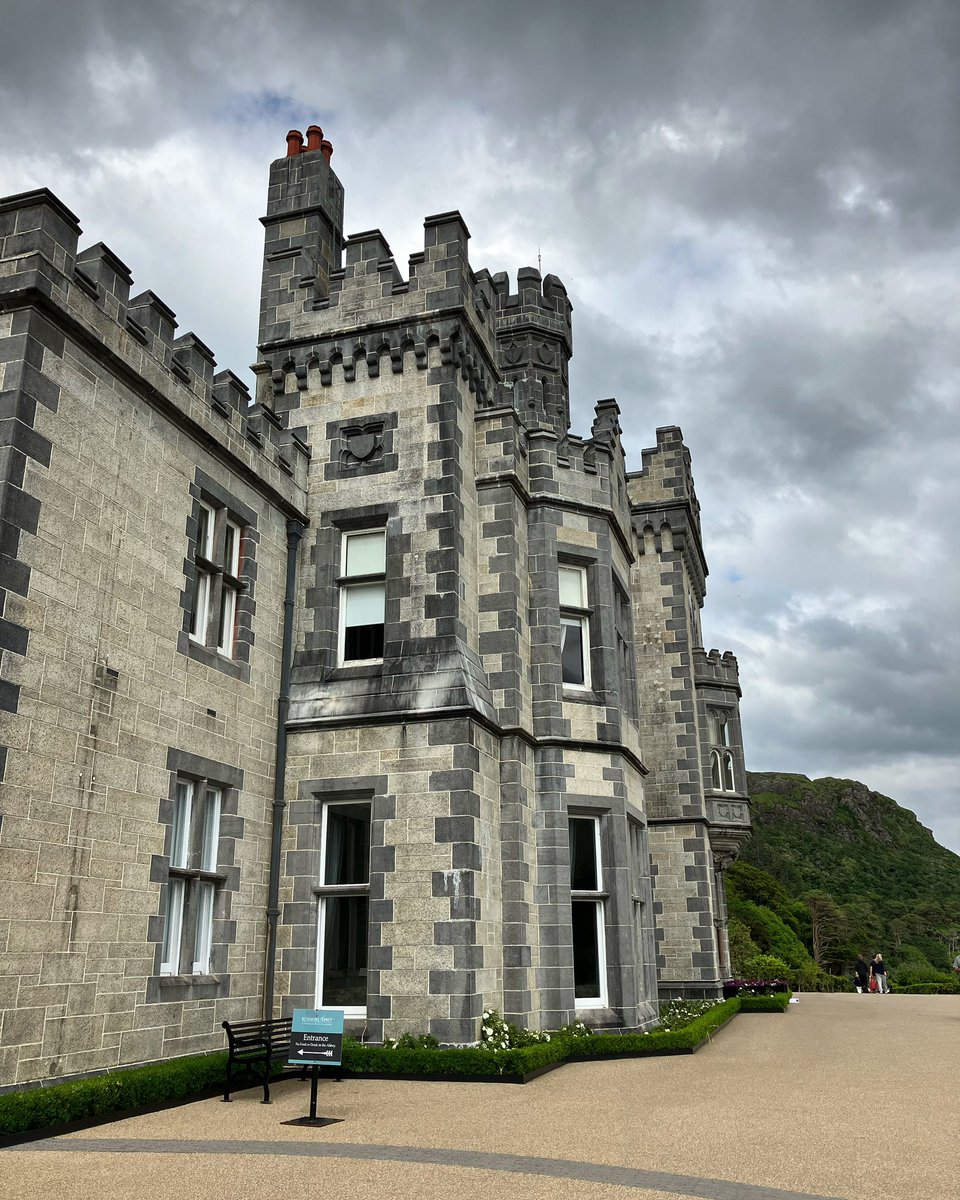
column 893, row 887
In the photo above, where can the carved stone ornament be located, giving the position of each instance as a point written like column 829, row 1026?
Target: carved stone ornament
column 360, row 445
column 546, row 354
column 513, row 353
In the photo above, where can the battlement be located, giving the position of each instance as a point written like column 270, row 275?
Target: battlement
column 665, row 478
column 537, row 300
column 514, row 438
column 40, row 260
column 710, row 667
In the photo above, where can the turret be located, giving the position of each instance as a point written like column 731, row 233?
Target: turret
column 304, row 231
column 535, row 341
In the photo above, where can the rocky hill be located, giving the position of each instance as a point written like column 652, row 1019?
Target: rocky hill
column 846, row 869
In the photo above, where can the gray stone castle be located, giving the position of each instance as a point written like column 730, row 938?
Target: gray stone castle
column 379, row 690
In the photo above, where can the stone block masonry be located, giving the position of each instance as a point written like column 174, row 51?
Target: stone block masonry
column 510, row 776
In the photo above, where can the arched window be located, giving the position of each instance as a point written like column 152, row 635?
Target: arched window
column 715, row 772
column 728, row 780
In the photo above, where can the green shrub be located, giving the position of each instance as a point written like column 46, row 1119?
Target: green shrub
column 911, row 975
column 765, row 966
column 771, row 933
column 742, row 947
column 119, row 1091
column 928, row 989
column 756, row 1004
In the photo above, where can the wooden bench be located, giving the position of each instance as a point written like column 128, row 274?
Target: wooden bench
column 254, row 1046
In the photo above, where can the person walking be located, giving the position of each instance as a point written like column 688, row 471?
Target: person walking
column 878, row 970
column 861, row 974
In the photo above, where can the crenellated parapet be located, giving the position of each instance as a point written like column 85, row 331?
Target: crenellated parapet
column 395, row 349
column 665, row 512
column 713, row 669
column 87, row 293
column 515, row 440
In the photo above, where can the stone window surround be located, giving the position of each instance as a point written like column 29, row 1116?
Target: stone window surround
column 202, row 771
column 611, row 811
column 589, row 690
column 599, row 898
column 301, row 865
column 355, row 519
column 721, row 753
column 192, row 875
column 208, row 491
column 323, row 890
column 345, row 581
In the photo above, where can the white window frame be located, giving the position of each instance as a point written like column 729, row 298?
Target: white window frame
column 576, row 616
column 216, row 580
column 328, row 891
column 193, row 878
column 723, row 774
column 348, row 582
column 597, row 897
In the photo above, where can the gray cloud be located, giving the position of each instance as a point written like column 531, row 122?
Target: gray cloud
column 755, row 208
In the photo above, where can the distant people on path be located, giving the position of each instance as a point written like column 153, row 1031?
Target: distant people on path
column 861, row 974
column 878, row 971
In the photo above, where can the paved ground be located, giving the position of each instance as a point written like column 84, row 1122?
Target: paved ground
column 840, row 1097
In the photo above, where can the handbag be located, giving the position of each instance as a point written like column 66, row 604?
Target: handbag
column 874, row 986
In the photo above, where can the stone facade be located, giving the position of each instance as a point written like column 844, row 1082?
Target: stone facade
column 495, row 767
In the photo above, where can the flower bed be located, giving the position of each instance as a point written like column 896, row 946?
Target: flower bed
column 753, row 987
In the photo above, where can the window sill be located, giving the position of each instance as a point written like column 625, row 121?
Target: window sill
column 213, row 658
column 161, row 988
column 580, row 695
column 164, row 980
column 358, row 670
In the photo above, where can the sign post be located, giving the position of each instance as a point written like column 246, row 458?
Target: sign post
column 316, row 1040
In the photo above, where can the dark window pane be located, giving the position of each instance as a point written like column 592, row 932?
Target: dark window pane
column 348, row 844
column 583, row 854
column 571, row 650
column 362, row 641
column 345, row 951
column 586, row 952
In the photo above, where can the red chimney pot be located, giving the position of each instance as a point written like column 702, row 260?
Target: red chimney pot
column 314, row 137
column 294, row 143
column 326, row 149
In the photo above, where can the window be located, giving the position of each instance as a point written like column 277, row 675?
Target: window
column 574, row 628
column 722, row 775
column 193, row 879
column 216, row 579
column 586, row 910
column 363, row 596
column 623, row 622
column 344, row 892
column 719, row 732
column 639, row 860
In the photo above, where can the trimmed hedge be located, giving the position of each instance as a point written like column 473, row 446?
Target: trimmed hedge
column 101, row 1095
column 758, row 1004
column 162, row 1083
column 927, row 989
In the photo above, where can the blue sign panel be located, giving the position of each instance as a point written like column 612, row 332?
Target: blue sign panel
column 316, row 1037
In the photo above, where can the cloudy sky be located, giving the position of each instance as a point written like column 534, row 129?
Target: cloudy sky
column 754, row 204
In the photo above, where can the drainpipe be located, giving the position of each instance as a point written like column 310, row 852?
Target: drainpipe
column 294, row 534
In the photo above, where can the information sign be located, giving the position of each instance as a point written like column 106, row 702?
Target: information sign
column 316, row 1037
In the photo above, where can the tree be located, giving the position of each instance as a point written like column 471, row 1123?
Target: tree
column 825, row 924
